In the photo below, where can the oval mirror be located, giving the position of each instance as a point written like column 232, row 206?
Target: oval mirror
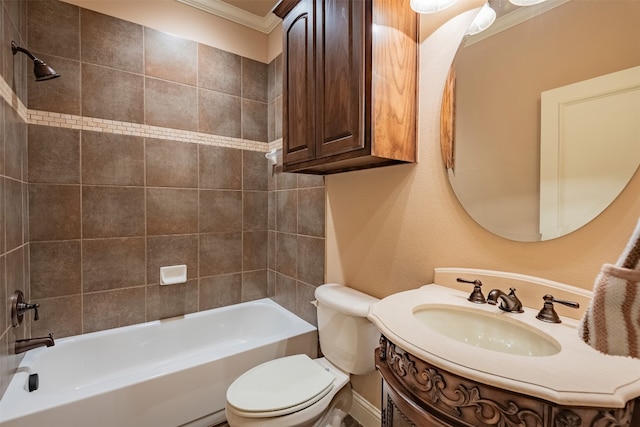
column 541, row 115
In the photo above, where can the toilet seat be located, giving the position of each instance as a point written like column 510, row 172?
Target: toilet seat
column 280, row 387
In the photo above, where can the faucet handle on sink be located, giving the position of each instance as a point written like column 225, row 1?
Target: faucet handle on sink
column 548, row 313
column 476, row 296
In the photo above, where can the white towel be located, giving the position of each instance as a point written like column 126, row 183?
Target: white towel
column 611, row 324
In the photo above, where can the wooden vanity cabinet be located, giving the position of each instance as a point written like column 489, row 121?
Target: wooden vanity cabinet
column 416, row 393
column 349, row 84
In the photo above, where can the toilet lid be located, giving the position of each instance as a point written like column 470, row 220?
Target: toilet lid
column 292, row 382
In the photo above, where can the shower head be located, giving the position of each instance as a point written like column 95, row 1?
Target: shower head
column 41, row 70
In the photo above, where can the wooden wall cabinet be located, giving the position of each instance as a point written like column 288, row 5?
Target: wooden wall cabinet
column 416, row 393
column 350, row 84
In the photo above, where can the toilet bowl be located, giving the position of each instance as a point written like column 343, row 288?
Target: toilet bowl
column 300, row 391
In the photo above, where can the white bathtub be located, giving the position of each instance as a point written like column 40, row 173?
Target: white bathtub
column 172, row 372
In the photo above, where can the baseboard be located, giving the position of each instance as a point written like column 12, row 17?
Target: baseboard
column 364, row 412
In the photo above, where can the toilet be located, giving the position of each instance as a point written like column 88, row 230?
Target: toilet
column 300, row 391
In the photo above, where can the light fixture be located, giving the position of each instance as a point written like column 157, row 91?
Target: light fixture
column 41, row 70
column 431, row 6
column 525, row 2
column 482, row 21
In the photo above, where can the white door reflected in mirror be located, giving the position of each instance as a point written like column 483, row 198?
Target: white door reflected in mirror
column 585, row 127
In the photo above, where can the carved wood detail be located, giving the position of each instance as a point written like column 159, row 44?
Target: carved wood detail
column 567, row 418
column 443, row 390
column 615, row 417
column 461, row 402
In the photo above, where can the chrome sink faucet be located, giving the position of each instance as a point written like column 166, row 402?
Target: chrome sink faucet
column 31, row 343
column 508, row 302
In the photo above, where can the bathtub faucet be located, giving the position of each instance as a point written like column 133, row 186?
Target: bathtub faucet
column 31, row 343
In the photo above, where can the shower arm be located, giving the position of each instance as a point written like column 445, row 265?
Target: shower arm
column 15, row 49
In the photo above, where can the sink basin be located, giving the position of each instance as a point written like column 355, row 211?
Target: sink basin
column 491, row 331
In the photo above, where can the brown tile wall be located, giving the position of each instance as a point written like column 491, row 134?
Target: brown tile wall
column 105, row 221
column 117, row 70
column 296, row 240
column 14, row 223
column 296, row 221
column 89, row 217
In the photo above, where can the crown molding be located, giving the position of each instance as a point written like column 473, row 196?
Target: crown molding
column 232, row 13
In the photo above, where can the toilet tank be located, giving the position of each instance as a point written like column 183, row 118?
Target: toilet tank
column 347, row 338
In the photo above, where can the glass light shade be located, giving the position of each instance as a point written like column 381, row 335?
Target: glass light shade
column 430, row 6
column 525, row 2
column 483, row 20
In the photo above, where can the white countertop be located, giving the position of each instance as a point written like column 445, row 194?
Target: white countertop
column 577, row 376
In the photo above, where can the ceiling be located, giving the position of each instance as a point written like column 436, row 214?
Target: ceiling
column 254, row 14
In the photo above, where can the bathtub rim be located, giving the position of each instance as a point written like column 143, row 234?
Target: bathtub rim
column 13, row 405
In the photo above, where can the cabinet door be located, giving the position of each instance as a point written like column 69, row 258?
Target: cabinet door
column 299, row 91
column 340, row 70
column 400, row 412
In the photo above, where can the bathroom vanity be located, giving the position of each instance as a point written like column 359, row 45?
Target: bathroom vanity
column 513, row 370
column 417, row 393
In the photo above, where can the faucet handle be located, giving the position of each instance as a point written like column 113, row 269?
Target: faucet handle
column 476, row 296
column 19, row 307
column 33, row 307
column 548, row 313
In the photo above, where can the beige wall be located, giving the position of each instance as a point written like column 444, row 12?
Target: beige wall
column 187, row 22
column 388, row 228
column 275, row 43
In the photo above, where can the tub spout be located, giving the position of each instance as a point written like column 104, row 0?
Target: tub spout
column 31, row 343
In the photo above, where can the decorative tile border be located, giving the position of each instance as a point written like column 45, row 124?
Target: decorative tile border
column 124, row 128
column 47, row 118
column 274, row 145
